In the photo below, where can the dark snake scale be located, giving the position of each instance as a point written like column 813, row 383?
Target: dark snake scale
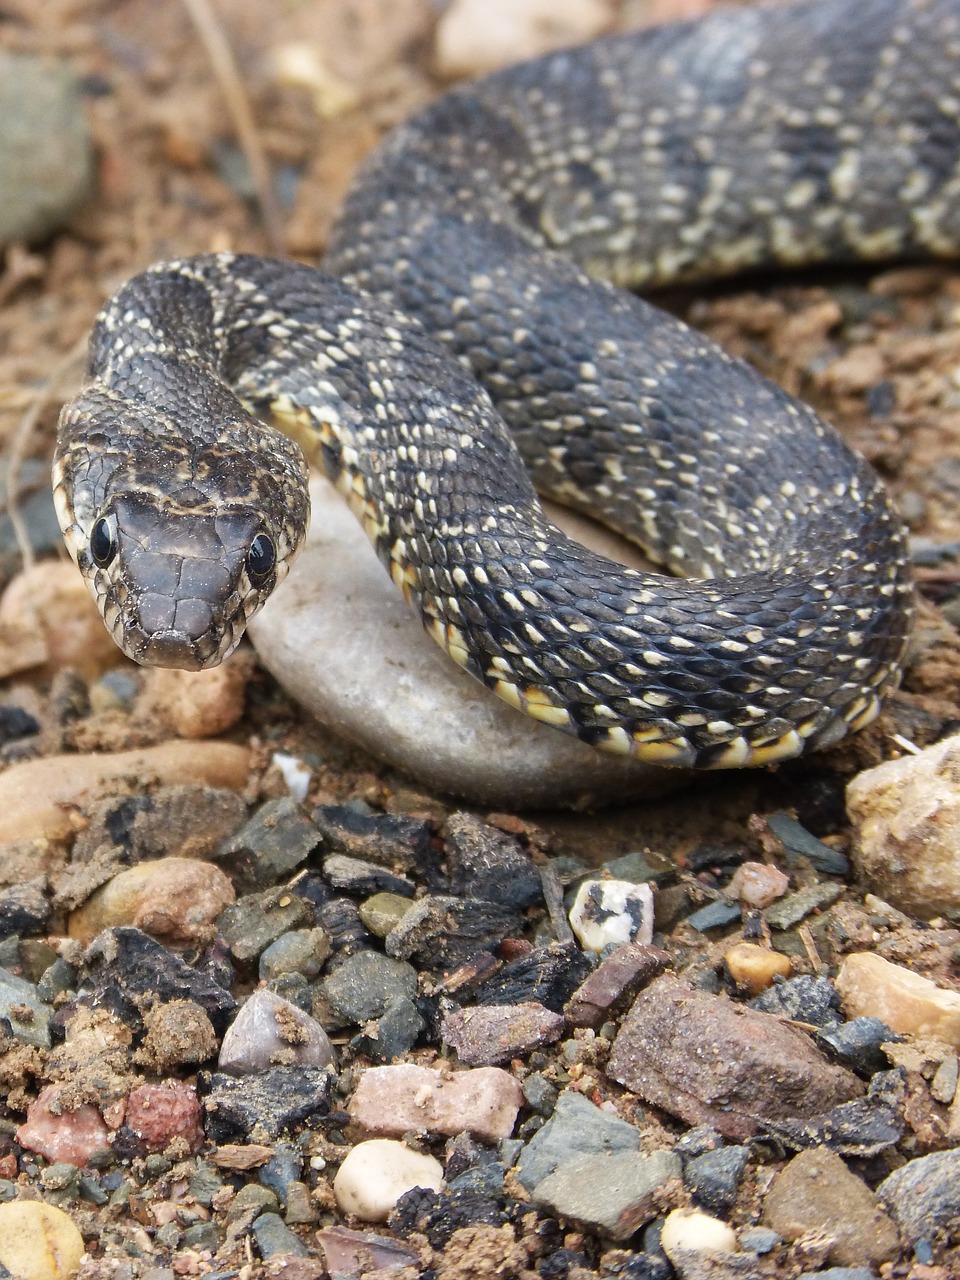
column 468, row 317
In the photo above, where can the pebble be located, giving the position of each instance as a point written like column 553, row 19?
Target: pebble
column 159, row 1113
column 175, row 900
column 199, row 704
column 61, row 1133
column 715, row 915
column 906, row 1001
column 576, row 1128
column 390, row 840
column 362, row 987
column 757, row 884
column 300, row 951
column 382, row 912
column 547, row 975
column 753, row 968
column 614, row 983
column 798, row 843
column 270, row 846
column 441, row 932
column 758, row 1070
column 341, row 639
column 477, row 36
column 256, row 920
column 275, row 1239
column 801, row 999
column 906, row 816
column 375, row 1174
column 611, row 912
column 269, row 1031
column 713, row 1178
column 789, row 911
column 178, row 1033
column 48, row 621
column 21, row 1007
column 263, row 1104
column 816, row 1193
column 486, row 1034
column 486, row 863
column 688, row 1231
column 857, row 1044
column 923, row 1195
column 37, row 796
column 614, row 1194
column 349, row 1253
column 361, row 878
column 393, row 1100
column 39, row 1241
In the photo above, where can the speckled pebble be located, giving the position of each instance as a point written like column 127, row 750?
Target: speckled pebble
column 375, row 1174
column 486, row 1034
column 39, row 1241
column 61, row 1133
column 923, row 1195
column 612, row 912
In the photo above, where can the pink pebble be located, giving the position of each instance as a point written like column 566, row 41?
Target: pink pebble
column 58, row 1134
column 158, row 1113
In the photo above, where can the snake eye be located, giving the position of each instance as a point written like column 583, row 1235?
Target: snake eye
column 261, row 559
column 103, row 540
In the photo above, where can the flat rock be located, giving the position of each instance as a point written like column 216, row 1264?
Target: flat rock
column 817, row 1194
column 340, row 638
column 707, row 1060
column 576, row 1128
column 906, row 814
column 614, row 1194
column 390, row 1101
column 485, row 1034
column 923, row 1195
column 270, row 1031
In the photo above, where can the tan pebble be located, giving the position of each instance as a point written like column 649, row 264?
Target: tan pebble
column 38, row 1241
column 36, row 796
column 858, row 369
column 199, row 704
column 753, row 967
column 757, row 884
column 690, row 1231
column 48, row 620
column 397, row 1099
column 383, row 911
column 474, row 36
column 377, row 1173
column 906, row 815
column 907, row 1002
column 173, row 899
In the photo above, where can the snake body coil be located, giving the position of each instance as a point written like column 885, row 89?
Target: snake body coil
column 472, row 286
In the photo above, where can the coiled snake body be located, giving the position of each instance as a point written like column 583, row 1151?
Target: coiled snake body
column 469, row 286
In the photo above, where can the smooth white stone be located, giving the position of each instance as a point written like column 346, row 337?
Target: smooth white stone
column 377, row 1173
column 339, row 637
column 612, row 911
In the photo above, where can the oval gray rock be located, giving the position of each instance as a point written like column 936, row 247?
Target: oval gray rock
column 339, row 637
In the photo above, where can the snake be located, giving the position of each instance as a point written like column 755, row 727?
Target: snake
column 475, row 337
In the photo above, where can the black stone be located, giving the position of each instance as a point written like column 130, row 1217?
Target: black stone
column 15, row 723
column 383, row 838
column 268, row 1103
column 549, row 975
column 859, row 1128
column 857, row 1044
column 268, row 849
column 486, row 863
column 799, row 843
column 24, row 909
column 126, row 971
column 438, row 1214
column 440, row 932
column 340, row 920
column 801, row 999
column 715, row 915
column 714, row 1177
column 360, row 877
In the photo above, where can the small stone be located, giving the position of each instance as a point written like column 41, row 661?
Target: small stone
column 759, row 1240
column 174, row 900
column 270, row 1031
column 714, row 1177
column 817, row 1194
column 349, row 1253
column 611, row 912
column 394, row 1033
column 377, row 1173
column 362, row 987
column 477, row 36
column 388, row 839
column 263, row 1104
column 24, row 908
column 360, row 878
column 179, row 1033
column 393, row 1100
column 300, row 951
column 757, row 884
column 486, row 863
column 906, row 1001
column 22, row 1009
column 372, row 674
column 39, row 1241
column 48, row 621
column 715, row 915
column 795, row 907
column 906, row 814
column 547, row 975
column 275, row 1239
column 159, row 1113
column 687, row 1231
column 923, row 1195
column 576, row 1128
column 60, row 1133
column 943, row 1086
column 270, row 847
column 382, row 912
column 859, row 1128
column 614, row 983
column 487, row 1034
column 199, row 704
column 858, row 1044
column 258, row 919
column 441, row 932
column 753, row 968
column 758, row 1068
column 798, row 843
column 38, row 796
column 804, row 998
column 614, row 1194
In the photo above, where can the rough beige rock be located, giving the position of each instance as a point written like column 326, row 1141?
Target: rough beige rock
column 199, row 704
column 48, row 621
column 906, row 814
column 476, row 36
column 753, row 967
column 690, row 1231
column 907, row 1002
column 339, row 637
column 175, row 900
column 39, row 1241
column 393, row 1100
column 37, row 796
column 377, row 1173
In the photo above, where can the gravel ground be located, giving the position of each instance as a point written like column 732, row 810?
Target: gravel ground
column 763, row 1022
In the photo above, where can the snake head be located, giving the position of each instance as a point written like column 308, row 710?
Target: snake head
column 179, row 545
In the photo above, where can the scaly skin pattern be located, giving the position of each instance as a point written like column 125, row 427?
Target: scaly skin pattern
column 462, row 330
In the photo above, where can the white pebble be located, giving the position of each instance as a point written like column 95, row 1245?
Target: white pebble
column 295, row 774
column 612, row 911
column 377, row 1173
column 689, row 1231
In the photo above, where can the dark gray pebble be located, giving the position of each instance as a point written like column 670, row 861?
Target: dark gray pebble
column 549, row 975
column 714, row 1177
column 801, row 999
column 923, row 1195
column 384, row 838
column 715, row 915
column 23, row 1011
column 264, row 1104
column 360, row 877
column 362, row 987
column 576, row 1127
column 697, row 1141
column 441, row 932
column 250, row 924
column 283, row 1167
column 789, row 911
column 301, row 951
column 395, row 1033
column 270, row 846
column 759, row 1239
column 800, row 843
column 485, row 863
column 857, row 1044
column 275, row 1239
column 24, row 908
